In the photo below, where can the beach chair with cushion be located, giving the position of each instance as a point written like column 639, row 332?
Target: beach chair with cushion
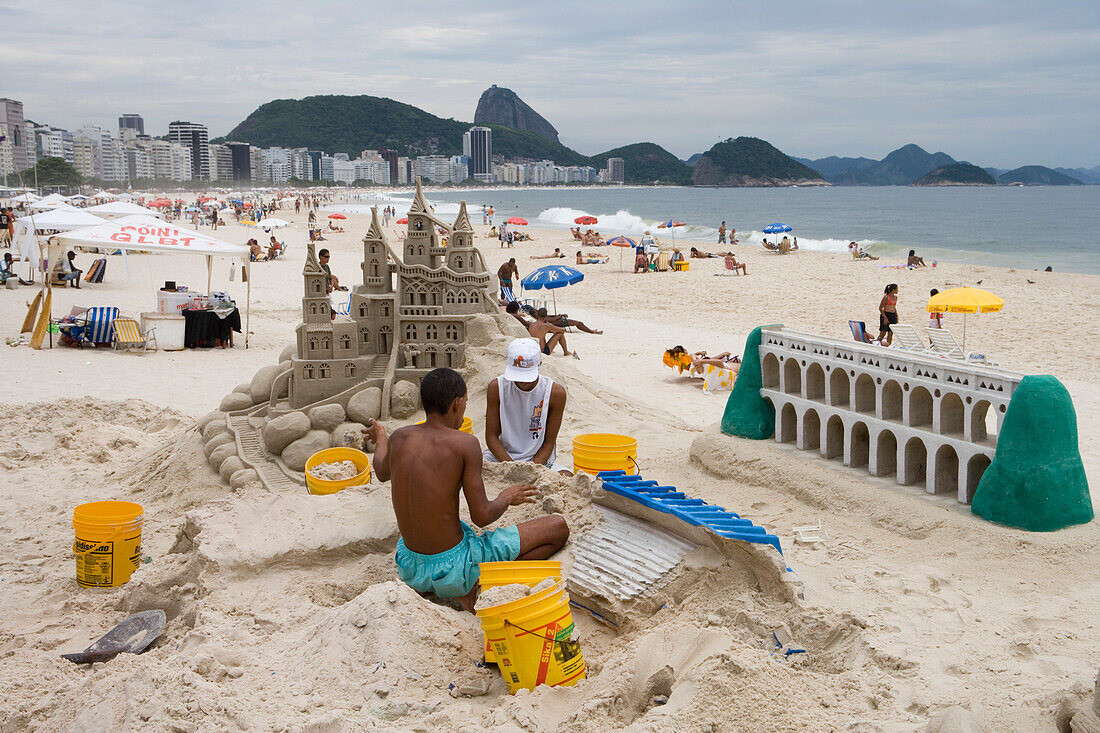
column 906, row 337
column 859, row 331
column 943, row 343
column 718, row 379
column 128, row 335
column 664, row 260
column 769, row 246
column 507, row 295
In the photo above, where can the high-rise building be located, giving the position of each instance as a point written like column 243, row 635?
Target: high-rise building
column 315, row 161
column 131, row 122
column 301, row 165
column 242, row 161
column 259, row 166
column 195, row 137
column 615, row 170
column 327, row 171
column 170, row 160
column 108, row 162
column 221, row 163
column 54, row 143
column 480, row 153
column 390, row 156
column 13, row 128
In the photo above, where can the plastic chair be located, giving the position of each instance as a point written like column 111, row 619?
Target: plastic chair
column 859, row 331
column 128, row 335
column 906, row 337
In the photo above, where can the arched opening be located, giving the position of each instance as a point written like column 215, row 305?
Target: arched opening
column 839, row 387
column 430, row 353
column 861, row 445
column 916, row 462
column 983, row 423
column 834, row 438
column 769, row 369
column 450, row 357
column 384, row 340
column 886, row 454
column 349, row 370
column 363, row 309
column 865, row 394
column 892, row 401
column 789, row 424
column 952, row 414
column 975, row 469
column 815, row 382
column 947, row 470
column 792, row 377
column 811, row 428
column 920, row 408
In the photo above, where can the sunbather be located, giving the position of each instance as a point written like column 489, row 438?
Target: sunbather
column 733, row 264
column 549, row 335
column 859, row 254
column 557, row 254
column 589, row 259
column 913, row 260
column 273, row 248
column 562, row 320
column 725, row 360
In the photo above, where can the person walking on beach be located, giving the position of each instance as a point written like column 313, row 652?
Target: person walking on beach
column 428, row 464
column 887, row 314
column 505, row 274
column 523, row 411
column 722, row 233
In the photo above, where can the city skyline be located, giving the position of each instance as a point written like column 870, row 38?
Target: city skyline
column 1001, row 84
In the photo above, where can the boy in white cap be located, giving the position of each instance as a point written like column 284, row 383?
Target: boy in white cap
column 523, row 411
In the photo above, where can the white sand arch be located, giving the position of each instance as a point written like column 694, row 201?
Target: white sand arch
column 925, row 420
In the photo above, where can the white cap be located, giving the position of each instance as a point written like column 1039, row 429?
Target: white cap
column 524, row 356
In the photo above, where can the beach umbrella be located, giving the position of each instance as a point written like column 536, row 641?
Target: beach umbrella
column 238, row 202
column 671, row 225
column 159, row 203
column 622, row 242
column 586, row 220
column 518, row 220
column 965, row 300
column 337, row 216
column 403, row 220
column 777, row 228
column 272, row 223
column 552, row 277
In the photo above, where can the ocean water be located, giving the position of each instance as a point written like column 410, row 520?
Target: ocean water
column 1022, row 227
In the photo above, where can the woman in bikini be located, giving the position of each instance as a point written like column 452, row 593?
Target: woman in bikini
column 887, row 314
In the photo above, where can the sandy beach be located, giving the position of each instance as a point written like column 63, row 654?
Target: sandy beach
column 285, row 612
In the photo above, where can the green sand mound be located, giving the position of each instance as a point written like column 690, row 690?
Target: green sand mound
column 748, row 415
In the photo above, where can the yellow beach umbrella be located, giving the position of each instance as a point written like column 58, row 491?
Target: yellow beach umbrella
column 965, row 300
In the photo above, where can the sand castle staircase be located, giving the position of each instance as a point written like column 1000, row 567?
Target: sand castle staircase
column 272, row 471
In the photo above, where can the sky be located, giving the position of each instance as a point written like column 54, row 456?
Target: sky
column 1000, row 83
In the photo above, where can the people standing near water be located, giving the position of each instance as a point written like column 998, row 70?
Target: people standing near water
column 722, row 233
column 523, row 411
column 428, row 464
column 887, row 314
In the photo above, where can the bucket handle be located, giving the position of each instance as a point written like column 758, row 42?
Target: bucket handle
column 97, row 545
column 637, row 468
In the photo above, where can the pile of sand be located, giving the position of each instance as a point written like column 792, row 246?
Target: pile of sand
column 500, row 594
column 335, row 471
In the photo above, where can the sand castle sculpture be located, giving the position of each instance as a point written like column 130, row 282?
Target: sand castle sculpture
column 410, row 314
column 921, row 419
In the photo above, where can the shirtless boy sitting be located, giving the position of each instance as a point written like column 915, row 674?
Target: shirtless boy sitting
column 428, row 464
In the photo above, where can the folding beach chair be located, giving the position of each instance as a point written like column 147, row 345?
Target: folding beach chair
column 663, row 261
column 906, row 337
column 731, row 269
column 128, row 335
column 507, row 295
column 96, row 271
column 943, row 343
column 94, row 326
column 859, row 331
column 340, row 309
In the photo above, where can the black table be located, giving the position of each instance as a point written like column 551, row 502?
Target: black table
column 206, row 329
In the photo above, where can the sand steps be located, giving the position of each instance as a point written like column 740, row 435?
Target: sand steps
column 251, row 451
column 378, row 368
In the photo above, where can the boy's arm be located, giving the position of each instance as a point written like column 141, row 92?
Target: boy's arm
column 482, row 511
column 553, row 425
column 377, row 435
column 492, row 423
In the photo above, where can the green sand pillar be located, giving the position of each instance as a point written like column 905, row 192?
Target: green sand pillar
column 748, row 415
column 1036, row 480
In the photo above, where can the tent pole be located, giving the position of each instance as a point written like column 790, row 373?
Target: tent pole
column 248, row 300
column 209, row 269
column 126, row 261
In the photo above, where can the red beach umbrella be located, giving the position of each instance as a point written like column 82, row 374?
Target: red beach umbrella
column 586, row 220
column 337, row 216
column 403, row 220
column 518, row 220
column 159, row 203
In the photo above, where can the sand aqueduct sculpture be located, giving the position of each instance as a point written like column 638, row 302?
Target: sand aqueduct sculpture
column 926, row 420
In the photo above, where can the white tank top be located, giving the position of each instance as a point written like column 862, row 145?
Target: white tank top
column 523, row 418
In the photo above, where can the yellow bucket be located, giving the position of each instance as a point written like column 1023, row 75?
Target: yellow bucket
column 108, row 542
column 528, row 572
column 532, row 640
column 467, row 425
column 595, row 452
column 321, row 486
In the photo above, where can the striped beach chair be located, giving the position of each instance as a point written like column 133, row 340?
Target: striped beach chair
column 128, row 335
column 99, row 325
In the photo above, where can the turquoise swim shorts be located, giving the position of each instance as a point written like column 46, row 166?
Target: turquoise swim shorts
column 453, row 573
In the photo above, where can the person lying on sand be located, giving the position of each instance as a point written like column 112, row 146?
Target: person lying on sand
column 557, row 253
column 698, row 254
column 428, row 465
column 564, row 321
column 589, row 259
column 859, row 254
column 725, row 360
column 523, row 411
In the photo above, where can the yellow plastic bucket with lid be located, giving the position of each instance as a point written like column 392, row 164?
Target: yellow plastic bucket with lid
column 595, row 452
column 467, row 424
column 108, row 542
column 321, row 486
column 528, row 572
column 533, row 640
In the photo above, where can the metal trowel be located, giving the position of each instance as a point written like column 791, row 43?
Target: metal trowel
column 133, row 635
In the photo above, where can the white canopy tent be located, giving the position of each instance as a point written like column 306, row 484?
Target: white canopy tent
column 25, row 245
column 119, row 209
column 51, row 201
column 148, row 234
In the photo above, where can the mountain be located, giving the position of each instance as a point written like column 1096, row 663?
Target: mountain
column 500, row 106
column 1085, row 175
column 995, row 172
column 833, row 166
column 750, row 161
column 956, row 174
column 690, row 162
column 1037, row 175
column 899, row 168
column 351, row 124
column 647, row 163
